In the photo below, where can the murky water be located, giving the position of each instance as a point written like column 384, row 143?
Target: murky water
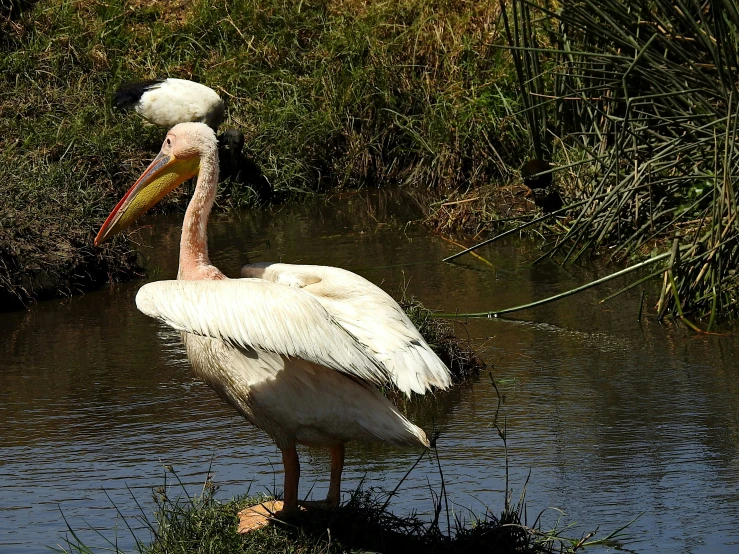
column 611, row 417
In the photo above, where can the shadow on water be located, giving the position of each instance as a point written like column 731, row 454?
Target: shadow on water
column 610, row 416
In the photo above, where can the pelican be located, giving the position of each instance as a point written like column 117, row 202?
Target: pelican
column 166, row 102
column 298, row 350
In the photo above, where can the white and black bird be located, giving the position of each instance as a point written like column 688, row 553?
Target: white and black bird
column 167, row 102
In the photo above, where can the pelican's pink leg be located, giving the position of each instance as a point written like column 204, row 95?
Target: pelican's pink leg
column 292, row 476
column 337, row 466
column 256, row 517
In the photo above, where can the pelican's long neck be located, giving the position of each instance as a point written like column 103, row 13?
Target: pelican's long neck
column 194, row 261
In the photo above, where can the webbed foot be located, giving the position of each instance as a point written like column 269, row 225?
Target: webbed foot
column 257, row 516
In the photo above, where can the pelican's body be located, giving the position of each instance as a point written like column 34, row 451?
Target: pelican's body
column 297, row 350
column 167, row 102
column 298, row 402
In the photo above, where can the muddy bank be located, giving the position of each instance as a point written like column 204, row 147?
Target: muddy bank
column 46, row 230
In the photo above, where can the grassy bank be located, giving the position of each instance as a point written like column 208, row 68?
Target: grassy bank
column 329, row 93
column 363, row 524
column 635, row 103
column 638, row 118
column 201, row 524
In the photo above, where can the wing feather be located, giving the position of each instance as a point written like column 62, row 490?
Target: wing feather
column 370, row 315
column 260, row 315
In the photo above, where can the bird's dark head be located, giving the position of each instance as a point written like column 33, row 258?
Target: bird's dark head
column 534, row 176
column 231, row 141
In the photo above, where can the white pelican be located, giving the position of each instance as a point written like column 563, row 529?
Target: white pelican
column 167, row 102
column 296, row 349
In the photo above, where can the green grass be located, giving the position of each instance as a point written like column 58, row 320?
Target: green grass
column 360, row 525
column 201, row 524
column 329, row 94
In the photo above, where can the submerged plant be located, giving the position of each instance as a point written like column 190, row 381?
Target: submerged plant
column 458, row 355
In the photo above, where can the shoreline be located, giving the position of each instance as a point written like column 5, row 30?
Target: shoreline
column 337, row 96
column 73, row 156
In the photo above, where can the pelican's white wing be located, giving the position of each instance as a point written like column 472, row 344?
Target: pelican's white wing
column 370, row 315
column 260, row 315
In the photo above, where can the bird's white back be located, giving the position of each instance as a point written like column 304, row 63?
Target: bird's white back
column 176, row 101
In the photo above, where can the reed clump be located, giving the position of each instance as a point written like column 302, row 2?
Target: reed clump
column 458, row 355
column 637, row 103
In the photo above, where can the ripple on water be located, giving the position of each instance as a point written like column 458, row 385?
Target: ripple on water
column 605, row 418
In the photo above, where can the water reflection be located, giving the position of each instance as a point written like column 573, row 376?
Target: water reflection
column 611, row 417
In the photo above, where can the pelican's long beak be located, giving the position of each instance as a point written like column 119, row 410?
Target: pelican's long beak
column 164, row 175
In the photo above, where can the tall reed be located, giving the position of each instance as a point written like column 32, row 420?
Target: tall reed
column 644, row 93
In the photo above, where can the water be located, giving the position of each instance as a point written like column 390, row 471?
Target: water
column 611, row 418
